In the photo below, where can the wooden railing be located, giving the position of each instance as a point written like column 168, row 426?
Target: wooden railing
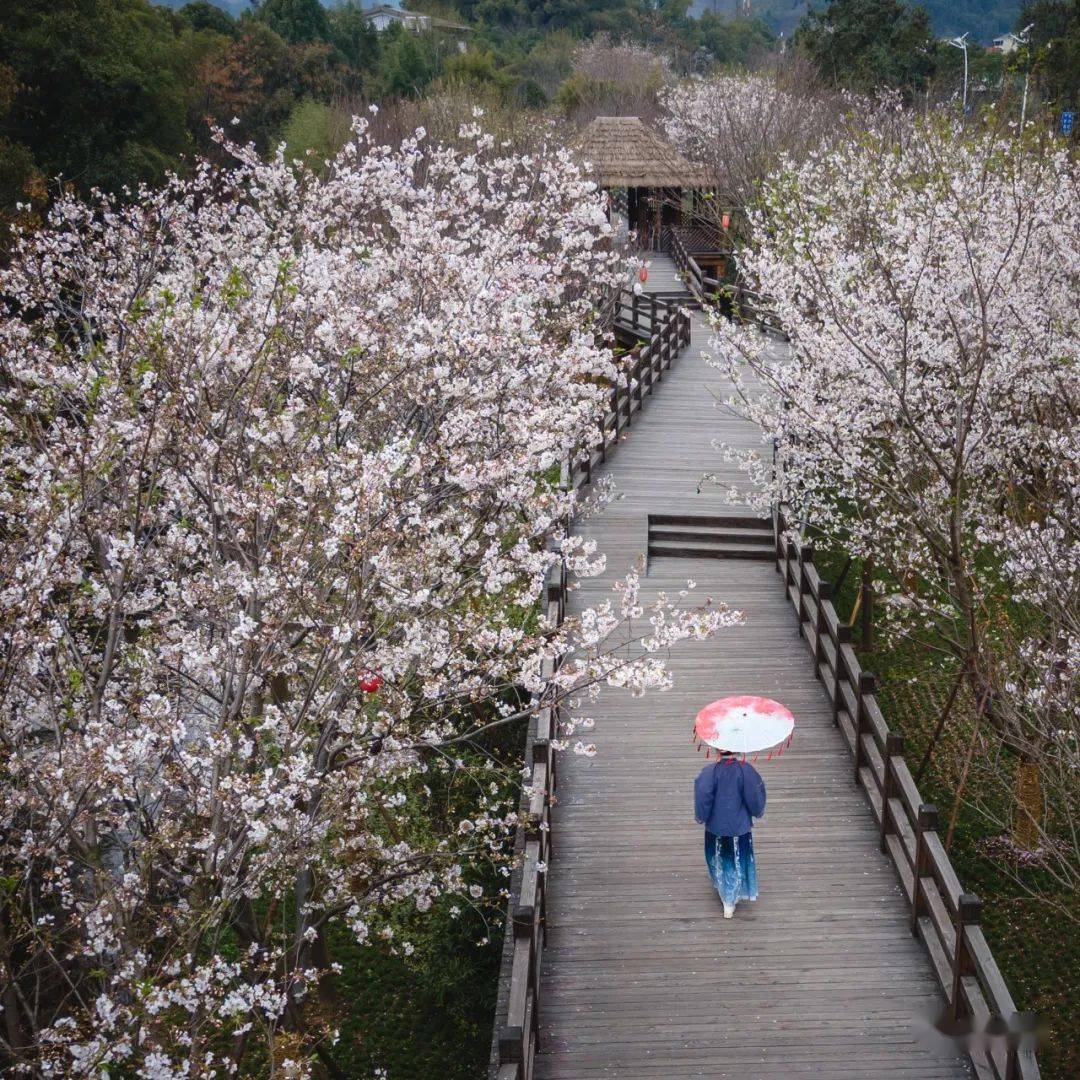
column 942, row 914
column 703, row 287
column 516, row 1035
column 663, row 328
column 737, row 301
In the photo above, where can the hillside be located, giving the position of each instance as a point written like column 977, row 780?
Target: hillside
column 983, row 19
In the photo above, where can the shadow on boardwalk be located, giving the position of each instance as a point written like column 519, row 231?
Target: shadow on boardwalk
column 642, row 977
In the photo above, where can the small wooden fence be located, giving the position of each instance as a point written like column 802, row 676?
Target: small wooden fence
column 664, row 330
column 740, row 302
column 942, row 914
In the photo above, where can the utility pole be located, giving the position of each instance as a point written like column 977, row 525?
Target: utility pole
column 961, row 43
column 1022, row 37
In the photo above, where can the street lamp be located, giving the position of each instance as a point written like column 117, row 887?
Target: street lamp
column 1022, row 37
column 961, row 43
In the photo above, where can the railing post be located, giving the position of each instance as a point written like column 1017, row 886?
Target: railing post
column 894, row 747
column 968, row 912
column 926, row 821
column 789, row 555
column 778, row 532
column 824, row 594
column 511, row 1045
column 806, row 555
column 843, row 636
column 863, row 686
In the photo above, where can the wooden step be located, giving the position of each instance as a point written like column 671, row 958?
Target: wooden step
column 714, row 521
column 707, row 549
column 708, row 532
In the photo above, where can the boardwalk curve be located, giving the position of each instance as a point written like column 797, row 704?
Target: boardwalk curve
column 641, row 977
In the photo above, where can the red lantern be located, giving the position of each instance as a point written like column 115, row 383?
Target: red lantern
column 370, row 682
column 643, row 274
column 726, row 221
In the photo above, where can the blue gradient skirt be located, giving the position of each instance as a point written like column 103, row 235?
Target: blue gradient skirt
column 730, row 860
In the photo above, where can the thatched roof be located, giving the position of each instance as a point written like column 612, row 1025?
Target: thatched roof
column 621, row 151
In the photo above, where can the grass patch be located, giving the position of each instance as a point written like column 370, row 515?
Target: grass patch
column 426, row 1015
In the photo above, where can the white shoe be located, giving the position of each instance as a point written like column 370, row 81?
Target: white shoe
column 729, row 911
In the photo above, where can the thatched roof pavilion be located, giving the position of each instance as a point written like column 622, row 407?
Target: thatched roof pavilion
column 623, row 152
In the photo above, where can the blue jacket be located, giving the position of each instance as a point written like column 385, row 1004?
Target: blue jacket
column 727, row 796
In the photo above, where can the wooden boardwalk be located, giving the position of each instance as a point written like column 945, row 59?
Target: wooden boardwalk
column 642, row 978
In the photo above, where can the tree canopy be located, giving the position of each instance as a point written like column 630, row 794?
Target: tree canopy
column 1055, row 46
column 870, row 43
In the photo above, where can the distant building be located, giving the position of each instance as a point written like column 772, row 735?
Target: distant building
column 384, row 16
column 623, row 153
column 1006, row 44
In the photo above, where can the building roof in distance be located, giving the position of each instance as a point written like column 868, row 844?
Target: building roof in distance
column 623, row 151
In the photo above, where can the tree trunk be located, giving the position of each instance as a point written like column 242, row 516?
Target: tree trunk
column 1028, row 805
column 866, row 595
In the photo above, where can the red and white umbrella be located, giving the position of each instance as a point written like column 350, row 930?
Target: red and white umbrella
column 745, row 724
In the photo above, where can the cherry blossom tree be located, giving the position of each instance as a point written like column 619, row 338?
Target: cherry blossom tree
column 741, row 125
column 278, row 507
column 1037, row 699
column 923, row 412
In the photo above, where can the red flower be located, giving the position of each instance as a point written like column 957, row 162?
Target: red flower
column 370, row 682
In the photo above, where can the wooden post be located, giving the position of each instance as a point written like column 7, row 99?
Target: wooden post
column 863, row 686
column 843, row 636
column 926, row 821
column 778, row 532
column 511, row 1043
column 968, row 913
column 806, row 558
column 824, row 594
column 894, row 747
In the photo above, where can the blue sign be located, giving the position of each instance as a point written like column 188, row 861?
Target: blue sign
column 1068, row 120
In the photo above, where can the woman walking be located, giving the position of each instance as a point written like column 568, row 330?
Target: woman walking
column 728, row 795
